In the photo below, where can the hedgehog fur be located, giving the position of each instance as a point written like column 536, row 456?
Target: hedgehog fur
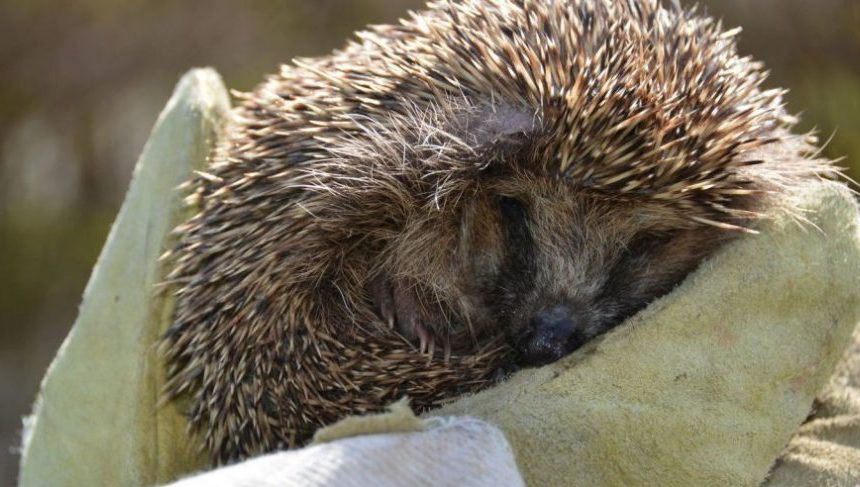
column 334, row 161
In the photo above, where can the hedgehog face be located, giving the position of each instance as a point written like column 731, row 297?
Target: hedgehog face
column 573, row 266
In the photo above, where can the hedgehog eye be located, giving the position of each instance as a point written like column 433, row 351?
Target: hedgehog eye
column 512, row 210
column 515, row 221
column 645, row 244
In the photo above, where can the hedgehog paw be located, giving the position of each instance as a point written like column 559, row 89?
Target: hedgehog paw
column 400, row 307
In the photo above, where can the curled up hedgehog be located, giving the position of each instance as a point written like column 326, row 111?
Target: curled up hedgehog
column 489, row 184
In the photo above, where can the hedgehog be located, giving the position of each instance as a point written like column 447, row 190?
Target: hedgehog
column 487, row 185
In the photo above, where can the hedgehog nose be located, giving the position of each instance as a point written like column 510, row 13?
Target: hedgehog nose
column 553, row 333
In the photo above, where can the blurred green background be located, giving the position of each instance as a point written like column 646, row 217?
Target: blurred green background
column 83, row 81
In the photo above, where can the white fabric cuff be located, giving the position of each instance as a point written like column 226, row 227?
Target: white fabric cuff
column 451, row 451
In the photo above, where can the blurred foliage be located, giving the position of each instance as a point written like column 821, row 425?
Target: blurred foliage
column 83, row 81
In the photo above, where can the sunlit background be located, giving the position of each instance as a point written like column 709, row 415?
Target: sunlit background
column 81, row 83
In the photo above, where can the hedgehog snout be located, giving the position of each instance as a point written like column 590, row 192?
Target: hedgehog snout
column 553, row 332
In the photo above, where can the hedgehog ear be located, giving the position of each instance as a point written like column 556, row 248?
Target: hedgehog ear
column 501, row 128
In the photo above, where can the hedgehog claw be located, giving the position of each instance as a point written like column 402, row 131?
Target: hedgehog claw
column 383, row 296
column 426, row 339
